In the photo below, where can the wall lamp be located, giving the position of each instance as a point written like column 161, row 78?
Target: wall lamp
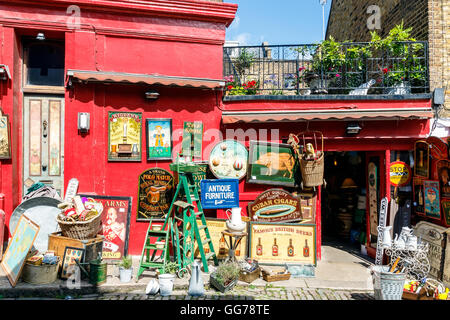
column 152, row 95
column 83, row 122
column 40, row 36
column 353, row 128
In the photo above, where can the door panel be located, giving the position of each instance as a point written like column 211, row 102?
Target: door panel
column 43, row 144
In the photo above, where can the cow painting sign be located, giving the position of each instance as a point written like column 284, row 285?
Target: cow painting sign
column 220, row 193
column 155, row 194
column 271, row 163
column 116, row 216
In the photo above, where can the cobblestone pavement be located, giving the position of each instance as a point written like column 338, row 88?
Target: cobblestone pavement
column 248, row 293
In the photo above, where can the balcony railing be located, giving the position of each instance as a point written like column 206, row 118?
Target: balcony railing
column 337, row 68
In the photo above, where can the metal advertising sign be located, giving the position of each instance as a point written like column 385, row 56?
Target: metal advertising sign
column 192, row 139
column 124, row 136
column 435, row 236
column 155, row 194
column 400, row 173
column 432, row 199
column 219, row 194
column 446, row 271
column 275, row 205
column 382, row 224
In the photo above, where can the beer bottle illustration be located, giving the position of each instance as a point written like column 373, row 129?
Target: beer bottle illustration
column 222, row 246
column 306, row 249
column 259, row 248
column 238, row 250
column 290, row 249
column 206, row 248
column 275, row 247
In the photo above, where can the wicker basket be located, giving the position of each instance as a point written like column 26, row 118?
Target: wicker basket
column 81, row 230
column 312, row 170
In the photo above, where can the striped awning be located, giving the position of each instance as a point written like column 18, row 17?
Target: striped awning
column 229, row 117
column 150, row 79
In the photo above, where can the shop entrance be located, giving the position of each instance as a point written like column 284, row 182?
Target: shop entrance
column 350, row 200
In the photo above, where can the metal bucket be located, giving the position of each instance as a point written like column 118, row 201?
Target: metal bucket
column 43, row 274
column 387, row 285
column 97, row 271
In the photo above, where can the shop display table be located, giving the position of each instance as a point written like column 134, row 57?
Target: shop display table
column 234, row 240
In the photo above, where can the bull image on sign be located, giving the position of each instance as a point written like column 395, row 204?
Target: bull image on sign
column 272, row 163
column 155, row 194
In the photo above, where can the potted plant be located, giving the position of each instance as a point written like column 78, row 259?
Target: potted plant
column 126, row 269
column 166, row 279
column 225, row 277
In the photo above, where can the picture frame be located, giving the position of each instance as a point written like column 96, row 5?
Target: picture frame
column 215, row 228
column 422, row 159
column 68, row 263
column 5, row 137
column 445, row 203
column 443, row 173
column 296, row 243
column 432, row 199
column 116, row 219
column 265, row 167
column 158, row 133
column 18, row 248
column 192, row 140
column 124, row 136
column 155, row 191
column 419, row 198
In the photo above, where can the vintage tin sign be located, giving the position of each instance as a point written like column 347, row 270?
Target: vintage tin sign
column 432, row 199
column 228, row 159
column 155, row 194
column 192, row 139
column 124, row 136
column 446, row 271
column 421, row 159
column 400, row 174
column 443, row 174
column 275, row 205
column 219, row 194
column 433, row 235
column 446, row 211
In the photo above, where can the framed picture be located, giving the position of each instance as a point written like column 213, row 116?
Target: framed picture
column 271, row 163
column 5, row 138
column 421, row 159
column 419, row 199
column 71, row 254
column 155, row 193
column 116, row 217
column 281, row 243
column 446, row 211
column 443, row 172
column 192, row 139
column 16, row 253
column 159, row 139
column 215, row 228
column 124, row 136
column 432, row 199
column 228, row 159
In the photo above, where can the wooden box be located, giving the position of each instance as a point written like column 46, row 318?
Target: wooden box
column 58, row 243
column 275, row 275
column 249, row 277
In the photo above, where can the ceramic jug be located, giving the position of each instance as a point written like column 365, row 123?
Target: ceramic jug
column 411, row 243
column 405, row 233
column 235, row 223
column 387, row 240
column 399, row 242
column 196, row 288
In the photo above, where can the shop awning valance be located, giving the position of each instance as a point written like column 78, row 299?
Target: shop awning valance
column 135, row 78
column 259, row 116
column 4, row 72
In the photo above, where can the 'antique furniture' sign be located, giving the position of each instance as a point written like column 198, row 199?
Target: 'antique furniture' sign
column 281, row 243
column 192, row 139
column 159, row 139
column 432, row 199
column 5, row 138
column 275, row 205
column 215, row 228
column 219, row 193
column 124, row 136
column 18, row 248
column 435, row 236
column 116, row 216
column 443, row 174
column 400, row 173
column 228, row 159
column 271, row 163
column 155, row 194
column 421, row 159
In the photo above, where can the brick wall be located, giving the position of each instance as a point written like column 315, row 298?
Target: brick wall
column 430, row 20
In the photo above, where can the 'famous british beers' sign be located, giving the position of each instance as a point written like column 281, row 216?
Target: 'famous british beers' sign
column 275, row 205
column 155, row 194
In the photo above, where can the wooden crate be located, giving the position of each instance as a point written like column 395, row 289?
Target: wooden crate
column 58, row 243
column 249, row 277
column 275, row 277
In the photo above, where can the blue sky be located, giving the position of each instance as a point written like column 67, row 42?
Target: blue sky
column 277, row 21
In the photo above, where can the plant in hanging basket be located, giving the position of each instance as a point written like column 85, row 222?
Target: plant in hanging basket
column 225, row 277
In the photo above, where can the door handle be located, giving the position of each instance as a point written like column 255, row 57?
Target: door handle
column 44, row 129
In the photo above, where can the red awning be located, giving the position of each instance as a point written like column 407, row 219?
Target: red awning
column 325, row 115
column 134, row 78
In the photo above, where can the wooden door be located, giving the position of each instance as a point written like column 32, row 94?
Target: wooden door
column 43, row 141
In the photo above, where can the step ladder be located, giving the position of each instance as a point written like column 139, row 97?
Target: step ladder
column 193, row 220
column 149, row 256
